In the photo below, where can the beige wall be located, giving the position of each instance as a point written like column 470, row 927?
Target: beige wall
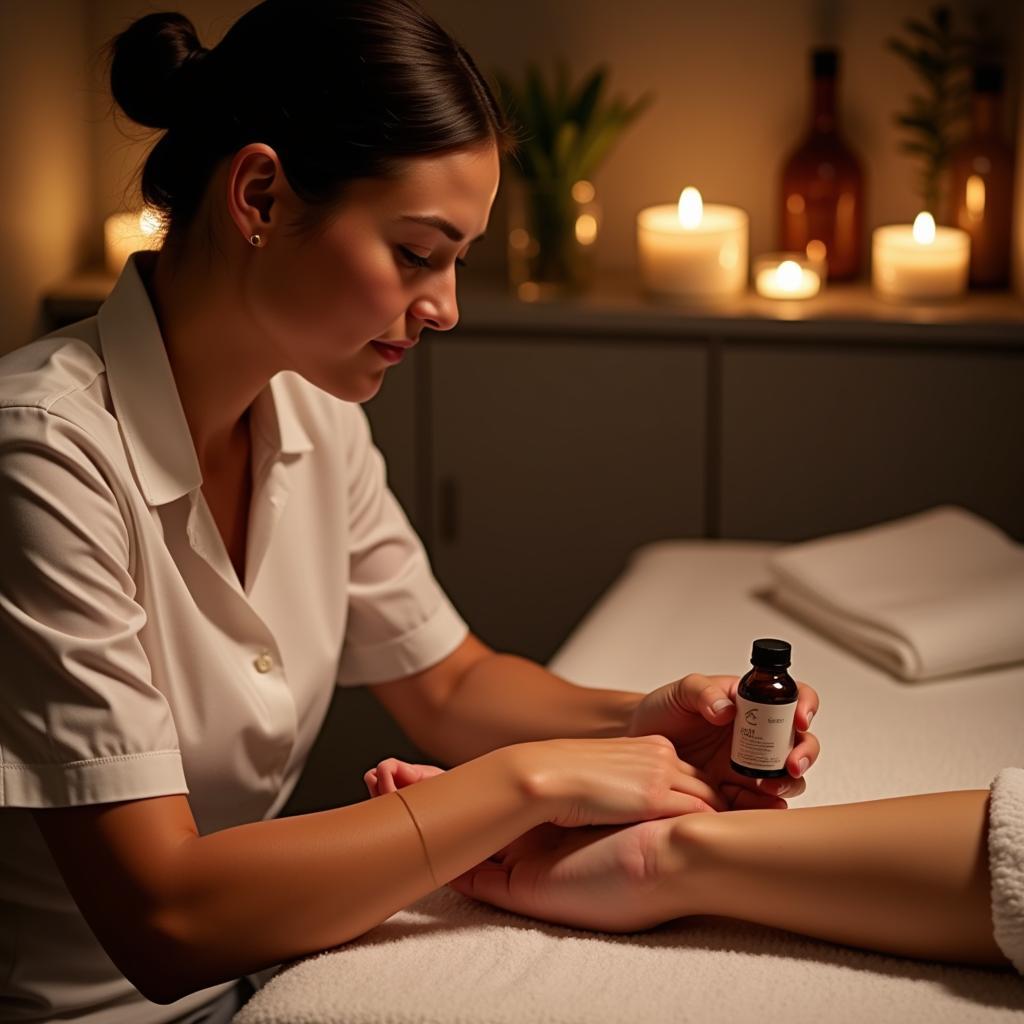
column 46, row 166
column 730, row 78
column 731, row 82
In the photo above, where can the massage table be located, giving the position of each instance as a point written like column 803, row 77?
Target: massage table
column 682, row 606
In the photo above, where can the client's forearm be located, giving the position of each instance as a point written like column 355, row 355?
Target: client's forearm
column 907, row 875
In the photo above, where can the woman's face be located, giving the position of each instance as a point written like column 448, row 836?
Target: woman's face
column 322, row 302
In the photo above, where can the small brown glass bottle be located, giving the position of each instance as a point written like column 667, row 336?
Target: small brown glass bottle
column 822, row 187
column 763, row 732
column 981, row 183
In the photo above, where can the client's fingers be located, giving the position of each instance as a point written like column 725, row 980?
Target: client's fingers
column 702, row 790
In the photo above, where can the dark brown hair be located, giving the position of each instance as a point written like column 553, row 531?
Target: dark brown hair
column 340, row 89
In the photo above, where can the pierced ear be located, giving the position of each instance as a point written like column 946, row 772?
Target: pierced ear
column 254, row 182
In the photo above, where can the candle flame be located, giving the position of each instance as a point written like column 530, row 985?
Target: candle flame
column 924, row 228
column 691, row 207
column 789, row 275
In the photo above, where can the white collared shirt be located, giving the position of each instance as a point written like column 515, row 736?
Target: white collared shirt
column 132, row 662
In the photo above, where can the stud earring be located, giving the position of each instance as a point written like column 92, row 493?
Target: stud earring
column 256, row 240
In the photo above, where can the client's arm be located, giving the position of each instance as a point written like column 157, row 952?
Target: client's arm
column 907, row 875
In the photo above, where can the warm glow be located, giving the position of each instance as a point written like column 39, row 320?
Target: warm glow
column 795, row 203
column 128, row 232
column 519, row 238
column 817, row 250
column 924, row 228
column 975, row 197
column 691, row 207
column 583, row 192
column 150, row 222
column 789, row 275
column 586, row 229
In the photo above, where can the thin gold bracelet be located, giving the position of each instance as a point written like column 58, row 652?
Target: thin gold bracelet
column 433, row 875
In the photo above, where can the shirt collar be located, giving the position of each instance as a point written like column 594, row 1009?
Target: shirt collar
column 149, row 409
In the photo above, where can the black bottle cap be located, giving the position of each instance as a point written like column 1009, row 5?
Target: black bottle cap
column 988, row 78
column 771, row 654
column 825, row 62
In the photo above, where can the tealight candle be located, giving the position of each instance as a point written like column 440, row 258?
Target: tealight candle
column 125, row 233
column 786, row 275
column 693, row 250
column 920, row 261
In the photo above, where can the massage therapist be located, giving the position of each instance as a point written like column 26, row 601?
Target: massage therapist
column 199, row 543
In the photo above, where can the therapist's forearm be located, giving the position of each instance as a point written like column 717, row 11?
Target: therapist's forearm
column 504, row 699
column 906, row 875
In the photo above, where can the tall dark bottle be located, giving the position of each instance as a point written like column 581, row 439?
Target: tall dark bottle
column 981, row 183
column 763, row 732
column 822, row 188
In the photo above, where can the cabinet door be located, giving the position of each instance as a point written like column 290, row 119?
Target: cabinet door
column 820, row 441
column 553, row 460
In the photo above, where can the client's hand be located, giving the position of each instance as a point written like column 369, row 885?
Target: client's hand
column 601, row 878
column 684, row 711
column 392, row 774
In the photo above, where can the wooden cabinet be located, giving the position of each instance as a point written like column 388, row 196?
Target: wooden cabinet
column 817, row 440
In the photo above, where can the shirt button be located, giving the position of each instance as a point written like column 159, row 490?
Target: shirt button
column 264, row 663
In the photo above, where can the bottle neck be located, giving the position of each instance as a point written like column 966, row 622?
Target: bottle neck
column 985, row 110
column 823, row 105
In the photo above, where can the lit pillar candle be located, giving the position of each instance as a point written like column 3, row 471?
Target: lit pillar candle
column 920, row 261
column 784, row 275
column 693, row 250
column 125, row 233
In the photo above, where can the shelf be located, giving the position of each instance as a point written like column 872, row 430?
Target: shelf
column 616, row 306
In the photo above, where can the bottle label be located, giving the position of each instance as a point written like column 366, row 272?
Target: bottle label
column 763, row 734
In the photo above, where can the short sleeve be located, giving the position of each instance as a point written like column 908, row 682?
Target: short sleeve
column 80, row 719
column 400, row 621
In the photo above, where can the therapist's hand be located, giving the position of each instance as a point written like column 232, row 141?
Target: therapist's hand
column 600, row 878
column 684, row 712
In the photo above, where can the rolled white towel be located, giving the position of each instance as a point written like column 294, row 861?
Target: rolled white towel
column 936, row 593
column 1006, row 862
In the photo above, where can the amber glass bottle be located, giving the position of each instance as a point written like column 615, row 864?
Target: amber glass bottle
column 981, row 183
column 763, row 732
column 822, row 194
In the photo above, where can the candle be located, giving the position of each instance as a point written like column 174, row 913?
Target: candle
column 693, row 250
column 125, row 233
column 786, row 275
column 919, row 262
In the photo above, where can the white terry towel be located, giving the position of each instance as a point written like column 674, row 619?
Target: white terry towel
column 1006, row 862
column 936, row 593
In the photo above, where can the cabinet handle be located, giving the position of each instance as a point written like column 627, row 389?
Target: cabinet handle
column 449, row 513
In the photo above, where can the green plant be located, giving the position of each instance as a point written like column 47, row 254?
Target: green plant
column 942, row 57
column 569, row 131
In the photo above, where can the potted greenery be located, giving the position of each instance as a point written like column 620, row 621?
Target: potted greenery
column 933, row 121
column 553, row 215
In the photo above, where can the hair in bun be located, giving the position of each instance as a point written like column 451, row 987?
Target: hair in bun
column 147, row 61
column 340, row 89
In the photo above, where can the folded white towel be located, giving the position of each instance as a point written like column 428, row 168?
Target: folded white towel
column 930, row 594
column 1006, row 862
